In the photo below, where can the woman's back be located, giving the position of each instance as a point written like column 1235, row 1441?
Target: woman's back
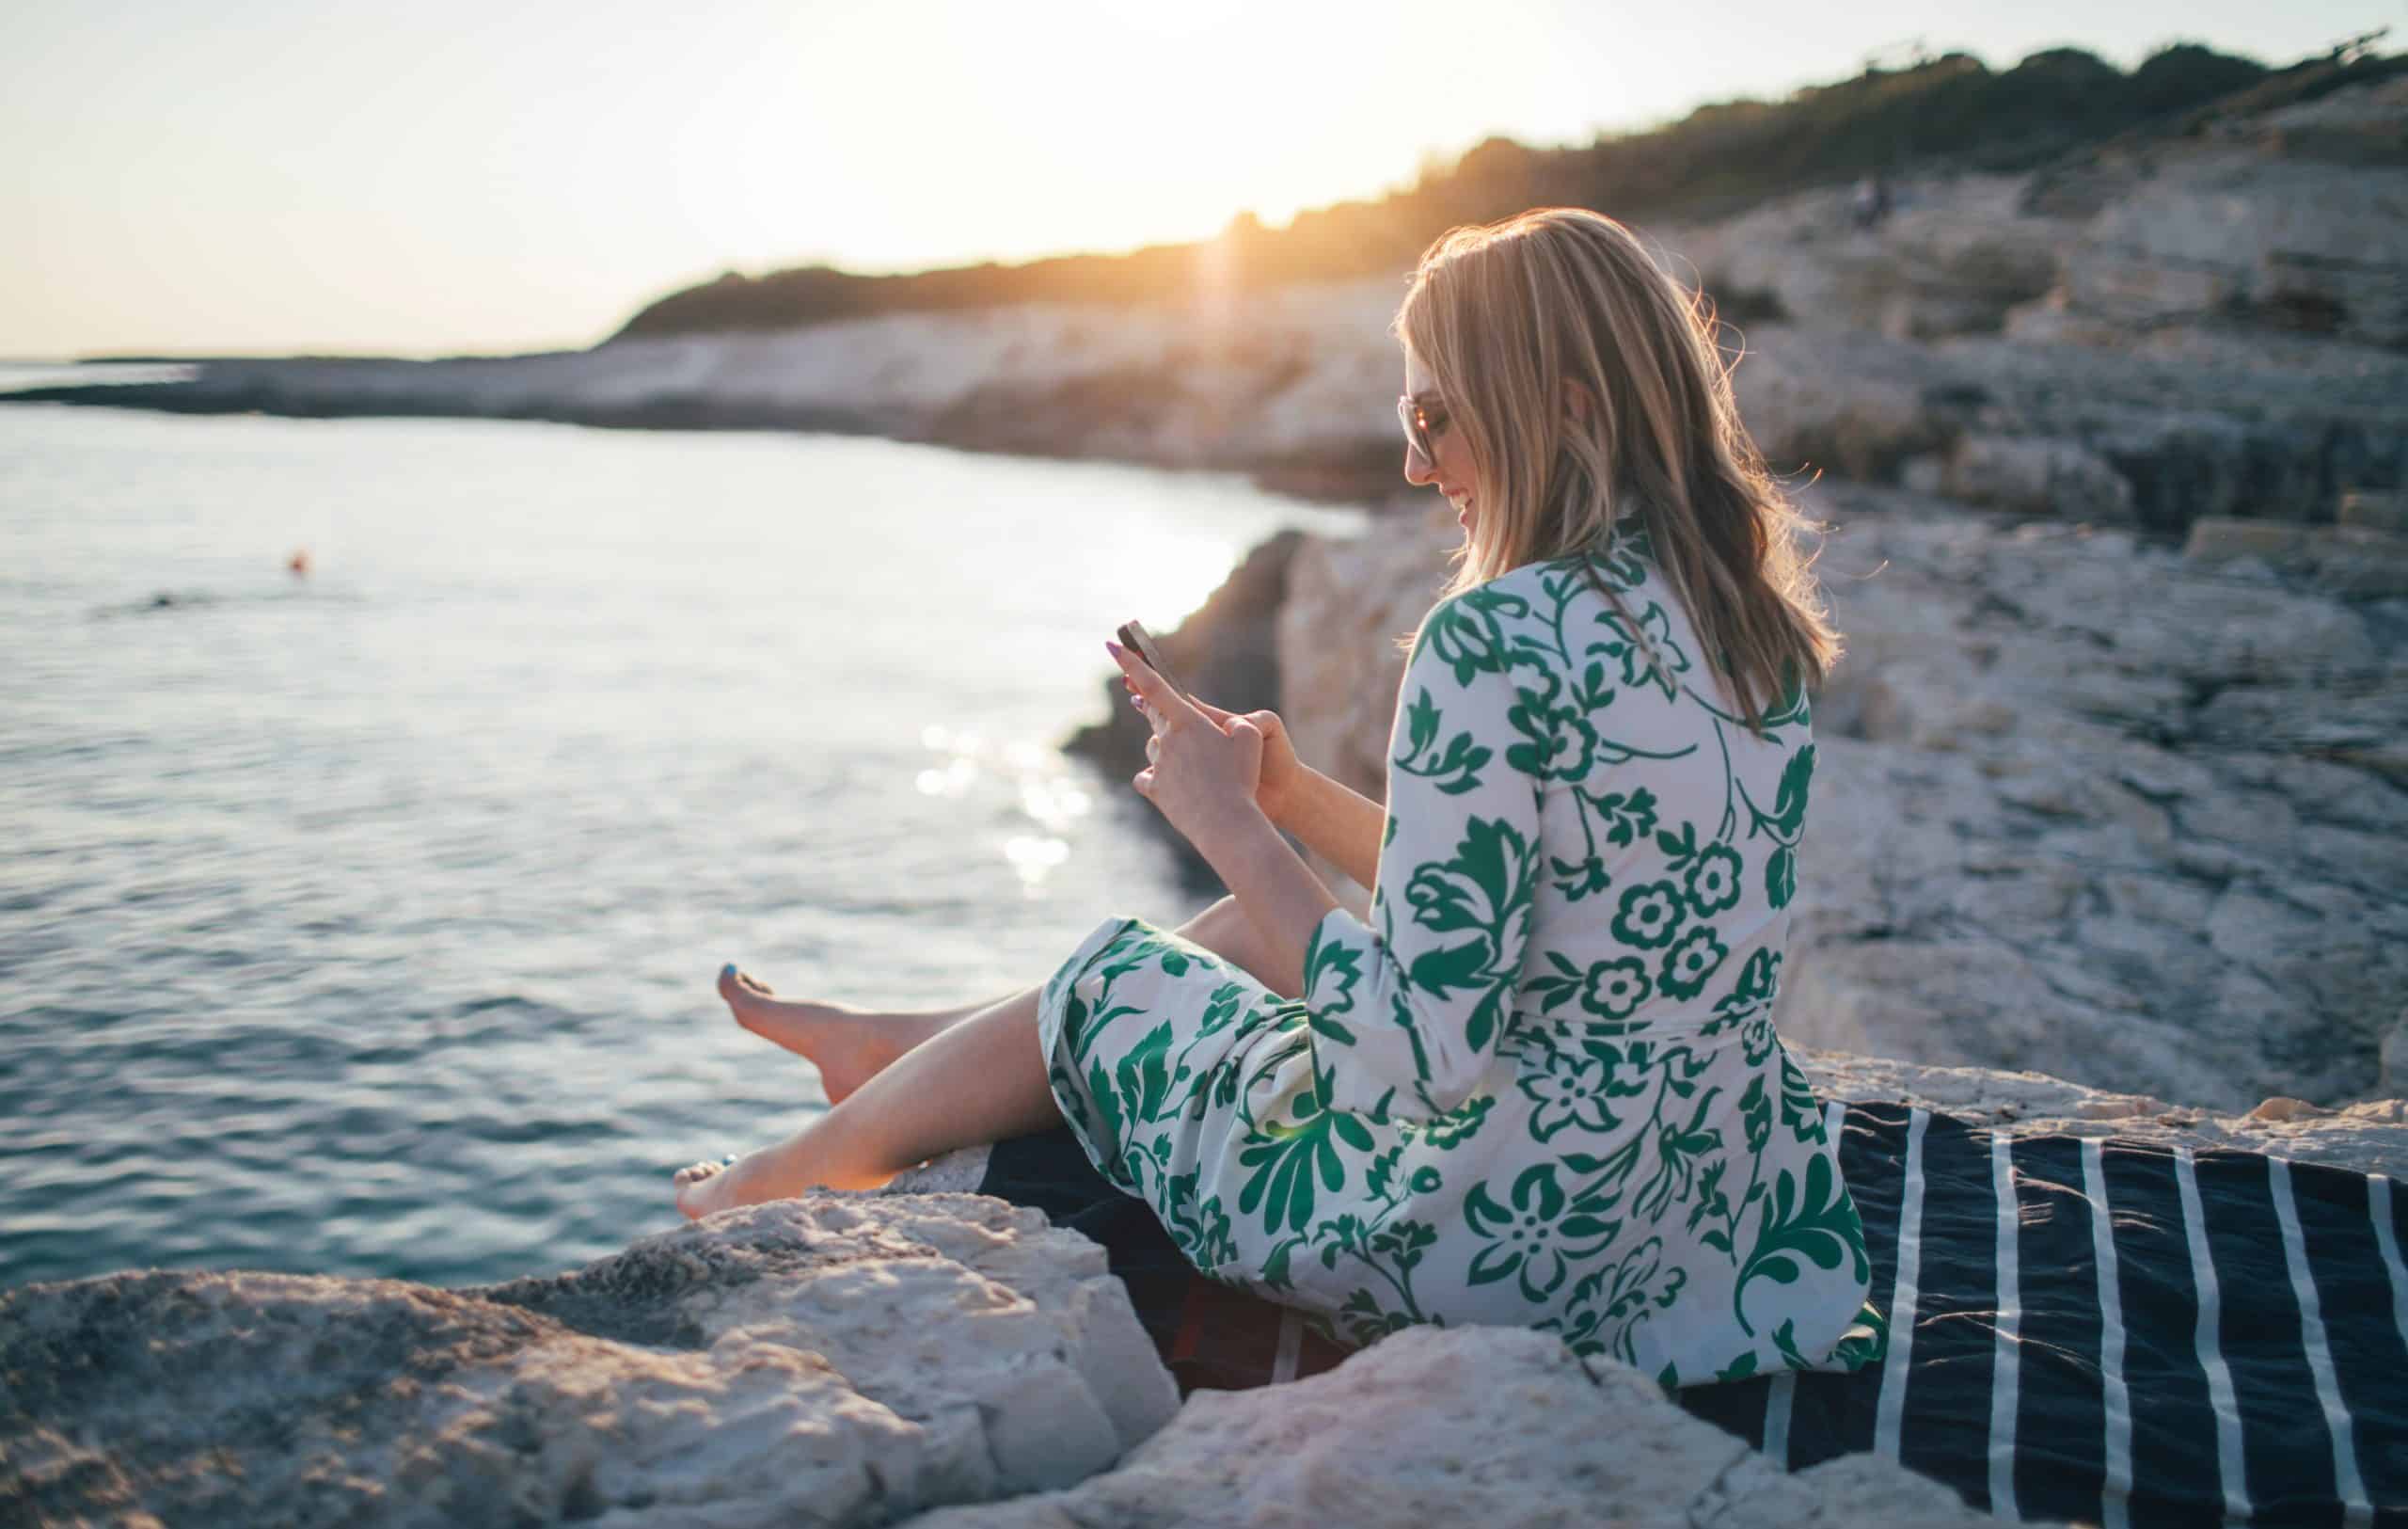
column 1572, row 791
column 1568, row 977
column 1668, row 828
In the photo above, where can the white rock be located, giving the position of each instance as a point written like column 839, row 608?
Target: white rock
column 836, row 1358
column 2369, row 1137
column 1491, row 1426
column 1850, row 1492
column 2036, row 476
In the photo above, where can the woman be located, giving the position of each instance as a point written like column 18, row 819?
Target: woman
column 1540, row 1086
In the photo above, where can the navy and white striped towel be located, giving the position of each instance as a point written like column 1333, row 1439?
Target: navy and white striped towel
column 2113, row 1332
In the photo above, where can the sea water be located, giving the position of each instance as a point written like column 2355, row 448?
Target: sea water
column 364, row 921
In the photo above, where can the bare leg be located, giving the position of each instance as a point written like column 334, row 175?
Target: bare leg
column 847, row 1045
column 963, row 1083
column 851, row 1046
column 981, row 1080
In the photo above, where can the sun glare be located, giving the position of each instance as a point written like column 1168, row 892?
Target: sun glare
column 1161, row 576
column 1026, row 133
column 327, row 210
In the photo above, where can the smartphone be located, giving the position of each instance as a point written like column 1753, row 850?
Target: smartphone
column 1140, row 642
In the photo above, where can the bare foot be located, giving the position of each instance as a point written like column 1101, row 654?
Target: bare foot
column 702, row 1189
column 846, row 1044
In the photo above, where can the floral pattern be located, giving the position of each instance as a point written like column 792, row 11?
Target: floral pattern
column 1540, row 1085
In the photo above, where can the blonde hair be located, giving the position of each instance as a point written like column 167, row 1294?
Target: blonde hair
column 1507, row 318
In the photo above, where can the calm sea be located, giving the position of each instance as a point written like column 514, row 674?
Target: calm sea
column 366, row 922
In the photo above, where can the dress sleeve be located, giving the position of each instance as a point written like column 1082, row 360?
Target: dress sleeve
column 1406, row 1010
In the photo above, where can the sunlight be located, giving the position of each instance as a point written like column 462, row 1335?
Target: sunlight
column 1166, row 574
column 1098, row 128
column 1032, row 858
column 1051, row 793
column 1055, row 802
column 759, row 134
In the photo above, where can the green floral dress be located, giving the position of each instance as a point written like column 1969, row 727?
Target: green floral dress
column 1540, row 1087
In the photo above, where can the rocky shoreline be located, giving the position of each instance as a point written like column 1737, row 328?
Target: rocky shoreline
column 913, row 1356
column 2157, row 330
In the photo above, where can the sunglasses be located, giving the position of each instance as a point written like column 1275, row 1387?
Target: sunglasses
column 1423, row 423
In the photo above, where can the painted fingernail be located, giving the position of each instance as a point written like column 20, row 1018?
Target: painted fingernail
column 1114, row 648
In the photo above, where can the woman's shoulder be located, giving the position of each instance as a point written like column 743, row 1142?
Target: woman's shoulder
column 1624, row 566
column 1518, row 618
column 1473, row 628
column 1540, row 591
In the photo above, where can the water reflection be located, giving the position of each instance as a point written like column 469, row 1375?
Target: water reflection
column 1048, row 791
column 369, row 927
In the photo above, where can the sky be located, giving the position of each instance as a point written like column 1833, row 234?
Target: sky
column 455, row 176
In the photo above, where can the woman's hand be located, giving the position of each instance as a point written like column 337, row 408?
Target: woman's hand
column 1202, row 774
column 1282, row 774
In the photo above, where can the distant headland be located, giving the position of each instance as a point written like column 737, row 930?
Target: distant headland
column 1862, row 238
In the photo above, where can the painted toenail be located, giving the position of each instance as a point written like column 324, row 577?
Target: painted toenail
column 728, row 1161
column 728, row 970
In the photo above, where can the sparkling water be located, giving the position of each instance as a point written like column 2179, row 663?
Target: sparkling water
column 364, row 921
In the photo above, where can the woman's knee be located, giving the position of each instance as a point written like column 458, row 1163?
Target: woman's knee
column 1217, row 928
column 1224, row 930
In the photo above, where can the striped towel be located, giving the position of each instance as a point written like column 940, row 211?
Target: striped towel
column 2112, row 1333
